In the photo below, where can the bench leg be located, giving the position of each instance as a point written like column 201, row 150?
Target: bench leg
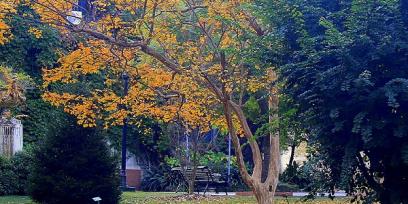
column 178, row 187
column 206, row 188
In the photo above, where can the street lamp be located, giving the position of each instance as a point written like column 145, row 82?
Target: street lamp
column 79, row 10
column 75, row 17
column 123, row 184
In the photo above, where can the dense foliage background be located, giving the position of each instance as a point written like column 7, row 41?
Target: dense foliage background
column 344, row 65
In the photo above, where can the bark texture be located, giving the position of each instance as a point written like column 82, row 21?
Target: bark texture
column 263, row 186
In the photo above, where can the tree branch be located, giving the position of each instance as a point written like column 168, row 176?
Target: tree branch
column 237, row 146
column 256, row 152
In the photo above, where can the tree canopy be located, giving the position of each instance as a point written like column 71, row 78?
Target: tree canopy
column 186, row 59
column 346, row 71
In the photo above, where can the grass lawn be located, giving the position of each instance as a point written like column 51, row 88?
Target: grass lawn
column 15, row 200
column 163, row 198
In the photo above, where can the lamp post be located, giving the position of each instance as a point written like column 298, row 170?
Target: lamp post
column 123, row 184
column 229, row 158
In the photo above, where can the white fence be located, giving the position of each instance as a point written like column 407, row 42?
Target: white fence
column 11, row 137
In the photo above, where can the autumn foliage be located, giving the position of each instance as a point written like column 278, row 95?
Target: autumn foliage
column 186, row 40
column 187, row 60
column 6, row 7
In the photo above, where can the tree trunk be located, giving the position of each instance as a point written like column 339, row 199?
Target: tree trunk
column 292, row 155
column 266, row 156
column 265, row 191
column 191, row 187
column 191, row 180
column 191, row 183
column 264, row 194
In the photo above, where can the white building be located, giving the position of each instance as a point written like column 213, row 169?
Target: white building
column 299, row 157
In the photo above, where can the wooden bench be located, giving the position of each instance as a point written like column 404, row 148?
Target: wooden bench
column 204, row 179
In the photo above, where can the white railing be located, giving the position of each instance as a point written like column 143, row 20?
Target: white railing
column 11, row 137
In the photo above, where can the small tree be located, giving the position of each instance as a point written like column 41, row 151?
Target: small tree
column 74, row 167
column 189, row 151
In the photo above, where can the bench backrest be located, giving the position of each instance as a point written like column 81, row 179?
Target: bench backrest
column 202, row 174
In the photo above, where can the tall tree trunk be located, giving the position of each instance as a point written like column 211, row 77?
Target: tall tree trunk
column 263, row 190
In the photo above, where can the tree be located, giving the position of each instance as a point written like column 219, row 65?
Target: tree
column 188, row 148
column 195, row 53
column 73, row 167
column 345, row 68
column 32, row 45
column 7, row 7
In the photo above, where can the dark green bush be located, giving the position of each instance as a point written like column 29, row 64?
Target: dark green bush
column 14, row 173
column 7, row 177
column 287, row 187
column 74, row 167
column 21, row 165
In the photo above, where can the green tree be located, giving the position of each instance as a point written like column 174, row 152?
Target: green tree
column 345, row 66
column 27, row 51
column 74, row 167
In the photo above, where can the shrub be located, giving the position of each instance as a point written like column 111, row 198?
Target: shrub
column 21, row 165
column 287, row 187
column 7, row 177
column 14, row 173
column 218, row 163
column 74, row 167
column 161, row 178
column 297, row 175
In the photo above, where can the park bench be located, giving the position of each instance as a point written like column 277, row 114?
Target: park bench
column 205, row 179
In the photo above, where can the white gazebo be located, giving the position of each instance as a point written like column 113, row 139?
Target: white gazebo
column 11, row 137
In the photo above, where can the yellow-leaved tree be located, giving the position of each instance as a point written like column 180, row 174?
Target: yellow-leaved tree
column 185, row 58
column 6, row 7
